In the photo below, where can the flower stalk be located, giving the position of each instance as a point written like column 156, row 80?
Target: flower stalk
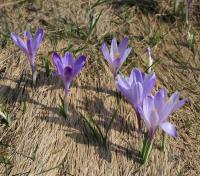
column 164, row 141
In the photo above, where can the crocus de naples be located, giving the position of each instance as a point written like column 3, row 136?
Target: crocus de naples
column 155, row 111
column 117, row 55
column 136, row 88
column 68, row 67
column 29, row 45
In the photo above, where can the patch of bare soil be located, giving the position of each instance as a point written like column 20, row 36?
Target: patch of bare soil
column 42, row 142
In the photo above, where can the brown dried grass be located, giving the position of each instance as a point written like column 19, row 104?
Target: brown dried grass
column 66, row 144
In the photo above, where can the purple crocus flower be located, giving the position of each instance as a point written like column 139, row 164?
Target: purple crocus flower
column 29, row 45
column 117, row 55
column 156, row 110
column 136, row 88
column 68, row 67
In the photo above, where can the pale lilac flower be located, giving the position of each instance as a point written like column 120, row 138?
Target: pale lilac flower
column 68, row 68
column 29, row 45
column 136, row 88
column 117, row 55
column 155, row 111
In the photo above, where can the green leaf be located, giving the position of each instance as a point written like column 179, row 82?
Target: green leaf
column 47, row 67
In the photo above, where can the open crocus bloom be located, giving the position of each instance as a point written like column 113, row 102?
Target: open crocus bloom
column 156, row 110
column 68, row 67
column 29, row 45
column 117, row 55
column 136, row 88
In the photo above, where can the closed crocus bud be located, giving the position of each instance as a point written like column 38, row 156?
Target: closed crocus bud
column 150, row 60
column 29, row 45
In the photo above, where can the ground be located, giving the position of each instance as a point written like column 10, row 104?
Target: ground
column 40, row 141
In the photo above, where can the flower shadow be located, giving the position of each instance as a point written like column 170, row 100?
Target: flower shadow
column 96, row 107
column 80, row 133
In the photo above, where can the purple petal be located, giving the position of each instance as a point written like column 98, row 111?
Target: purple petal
column 27, row 35
column 113, row 49
column 78, row 65
column 115, row 66
column 137, row 95
column 154, row 119
column 38, row 38
column 68, row 59
column 31, row 54
column 123, row 45
column 169, row 129
column 169, row 106
column 136, row 92
column 136, row 76
column 147, row 108
column 57, row 63
column 19, row 42
column 149, row 83
column 106, row 54
column 122, row 81
column 68, row 74
column 125, row 55
column 159, row 100
column 179, row 104
column 125, row 92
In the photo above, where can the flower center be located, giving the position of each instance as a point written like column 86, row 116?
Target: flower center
column 25, row 39
column 117, row 55
column 155, row 110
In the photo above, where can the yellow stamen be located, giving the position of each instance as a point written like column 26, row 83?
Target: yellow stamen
column 117, row 55
column 25, row 39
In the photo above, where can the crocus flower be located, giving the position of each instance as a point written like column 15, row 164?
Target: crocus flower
column 117, row 55
column 68, row 67
column 136, row 88
column 150, row 60
column 156, row 110
column 29, row 45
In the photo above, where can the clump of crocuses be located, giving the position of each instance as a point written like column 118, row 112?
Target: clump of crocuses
column 117, row 55
column 68, row 68
column 29, row 45
column 135, row 88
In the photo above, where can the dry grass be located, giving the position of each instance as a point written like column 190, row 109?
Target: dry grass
column 64, row 146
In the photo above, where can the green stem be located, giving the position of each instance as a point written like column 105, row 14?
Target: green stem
column 164, row 141
column 148, row 148
column 144, row 145
column 65, row 105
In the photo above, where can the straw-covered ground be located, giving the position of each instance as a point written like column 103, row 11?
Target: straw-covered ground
column 40, row 141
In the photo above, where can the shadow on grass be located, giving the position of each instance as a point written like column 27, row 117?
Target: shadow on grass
column 96, row 107
column 146, row 6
